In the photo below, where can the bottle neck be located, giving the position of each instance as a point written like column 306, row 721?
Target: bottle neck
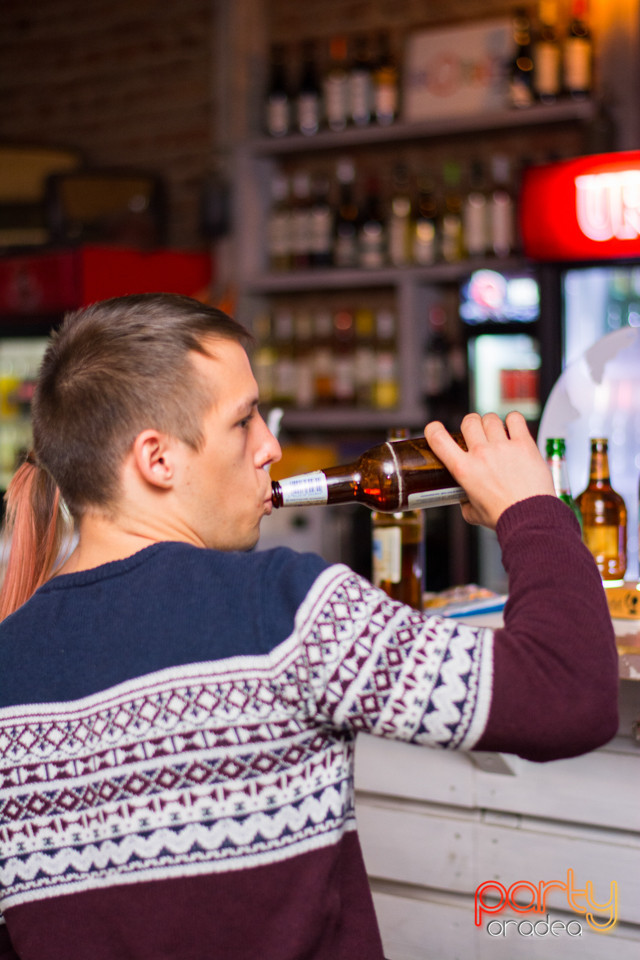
column 599, row 467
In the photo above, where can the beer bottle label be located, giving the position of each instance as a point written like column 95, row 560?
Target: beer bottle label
column 432, row 498
column 387, row 555
column 305, row 490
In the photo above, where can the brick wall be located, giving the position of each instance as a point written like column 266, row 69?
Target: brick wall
column 128, row 82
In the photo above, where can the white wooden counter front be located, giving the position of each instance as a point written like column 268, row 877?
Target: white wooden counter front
column 435, row 824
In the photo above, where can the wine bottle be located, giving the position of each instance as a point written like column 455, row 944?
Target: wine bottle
column 425, row 224
column 279, row 225
column 577, row 53
column 278, row 98
column 390, row 477
column 399, row 227
column 547, row 54
column 361, row 84
column 451, row 233
column 335, row 85
column 309, row 99
column 604, row 516
column 475, row 214
column 397, row 550
column 385, row 84
column 345, row 247
column 372, row 240
column 521, row 69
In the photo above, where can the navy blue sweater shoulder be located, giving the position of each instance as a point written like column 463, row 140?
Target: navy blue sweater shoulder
column 169, row 604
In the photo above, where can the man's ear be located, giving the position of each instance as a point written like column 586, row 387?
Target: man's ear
column 154, row 455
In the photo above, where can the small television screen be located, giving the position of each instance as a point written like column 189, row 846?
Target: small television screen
column 489, row 296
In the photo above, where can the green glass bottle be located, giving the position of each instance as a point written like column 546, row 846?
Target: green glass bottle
column 556, row 458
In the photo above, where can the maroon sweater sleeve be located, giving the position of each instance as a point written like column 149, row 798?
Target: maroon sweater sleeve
column 555, row 684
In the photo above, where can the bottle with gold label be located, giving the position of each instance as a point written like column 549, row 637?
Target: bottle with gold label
column 397, row 550
column 604, row 516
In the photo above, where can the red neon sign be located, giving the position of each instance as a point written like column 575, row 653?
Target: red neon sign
column 582, row 209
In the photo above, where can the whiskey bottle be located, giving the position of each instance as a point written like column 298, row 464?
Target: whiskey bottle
column 391, row 477
column 604, row 516
column 397, row 550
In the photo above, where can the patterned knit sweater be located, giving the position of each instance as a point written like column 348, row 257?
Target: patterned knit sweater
column 177, row 734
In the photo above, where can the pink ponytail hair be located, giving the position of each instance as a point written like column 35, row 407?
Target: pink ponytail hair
column 34, row 526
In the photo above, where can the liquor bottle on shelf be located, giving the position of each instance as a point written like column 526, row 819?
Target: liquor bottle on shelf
column 361, row 84
column 397, row 550
column 323, row 370
column 577, row 53
column 399, row 226
column 263, row 359
column 335, row 86
column 556, row 459
column 309, row 95
column 284, row 379
column 372, row 240
column 520, row 87
column 300, row 220
column 436, row 373
column 475, row 214
column 604, row 516
column 345, row 247
column 321, row 224
column 425, row 224
column 451, row 232
column 365, row 357
column 389, row 477
column 344, row 347
column 277, row 106
column 502, row 208
column 304, row 390
column 279, row 225
column 547, row 54
column 387, row 387
column 385, row 83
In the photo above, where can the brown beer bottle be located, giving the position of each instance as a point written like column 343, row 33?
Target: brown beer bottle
column 397, row 550
column 604, row 516
column 391, row 477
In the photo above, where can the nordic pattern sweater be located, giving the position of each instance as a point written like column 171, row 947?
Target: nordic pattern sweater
column 177, row 733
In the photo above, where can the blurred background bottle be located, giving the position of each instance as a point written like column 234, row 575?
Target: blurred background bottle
column 309, row 94
column 397, row 550
column 277, row 106
column 520, row 89
column 547, row 54
column 335, row 85
column 604, row 516
column 577, row 53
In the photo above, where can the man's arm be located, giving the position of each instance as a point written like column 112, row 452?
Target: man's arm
column 555, row 661
column 544, row 686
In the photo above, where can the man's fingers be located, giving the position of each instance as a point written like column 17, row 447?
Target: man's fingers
column 517, row 425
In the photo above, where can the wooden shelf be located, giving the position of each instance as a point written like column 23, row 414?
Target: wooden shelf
column 565, row 111
column 327, row 278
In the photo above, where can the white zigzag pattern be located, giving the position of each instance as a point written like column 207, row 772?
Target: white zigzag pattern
column 355, row 658
column 218, row 844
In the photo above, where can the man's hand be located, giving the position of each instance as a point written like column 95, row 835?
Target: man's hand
column 501, row 466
